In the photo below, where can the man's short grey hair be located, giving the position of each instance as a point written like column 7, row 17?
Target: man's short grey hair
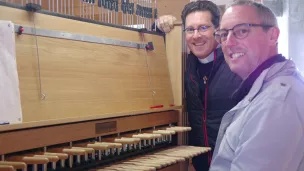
column 265, row 14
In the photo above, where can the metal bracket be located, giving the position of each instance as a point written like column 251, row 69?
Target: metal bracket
column 149, row 46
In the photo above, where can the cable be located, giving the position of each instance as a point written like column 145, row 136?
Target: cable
column 42, row 95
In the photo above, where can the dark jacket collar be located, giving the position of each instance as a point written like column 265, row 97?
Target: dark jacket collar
column 246, row 84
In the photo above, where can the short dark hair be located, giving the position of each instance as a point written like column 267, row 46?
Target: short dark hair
column 203, row 6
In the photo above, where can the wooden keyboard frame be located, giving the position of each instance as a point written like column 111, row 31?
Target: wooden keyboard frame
column 30, row 137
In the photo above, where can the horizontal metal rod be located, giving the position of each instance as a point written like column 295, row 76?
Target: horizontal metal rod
column 78, row 37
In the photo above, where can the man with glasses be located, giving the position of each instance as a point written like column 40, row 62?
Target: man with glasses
column 209, row 83
column 265, row 130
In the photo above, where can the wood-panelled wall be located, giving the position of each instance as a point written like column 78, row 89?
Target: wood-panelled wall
column 83, row 79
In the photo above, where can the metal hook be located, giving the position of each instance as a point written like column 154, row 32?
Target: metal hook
column 42, row 96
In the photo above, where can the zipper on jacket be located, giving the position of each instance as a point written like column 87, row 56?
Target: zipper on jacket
column 205, row 124
column 205, row 78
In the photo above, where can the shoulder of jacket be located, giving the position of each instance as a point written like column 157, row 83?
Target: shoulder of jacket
column 283, row 88
column 191, row 63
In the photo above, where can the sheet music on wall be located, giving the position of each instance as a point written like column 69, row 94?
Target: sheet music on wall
column 10, row 103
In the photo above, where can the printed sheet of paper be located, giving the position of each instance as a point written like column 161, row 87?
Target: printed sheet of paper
column 10, row 103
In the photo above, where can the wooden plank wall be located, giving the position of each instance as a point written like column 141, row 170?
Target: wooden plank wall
column 174, row 45
column 84, row 79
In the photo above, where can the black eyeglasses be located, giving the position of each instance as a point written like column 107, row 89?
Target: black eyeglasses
column 240, row 31
column 201, row 29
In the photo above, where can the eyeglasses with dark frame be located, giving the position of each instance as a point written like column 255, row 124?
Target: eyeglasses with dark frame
column 240, row 31
column 201, row 29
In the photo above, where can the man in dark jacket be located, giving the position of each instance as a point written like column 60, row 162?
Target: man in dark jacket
column 209, row 83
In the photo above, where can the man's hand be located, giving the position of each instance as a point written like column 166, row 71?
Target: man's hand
column 165, row 23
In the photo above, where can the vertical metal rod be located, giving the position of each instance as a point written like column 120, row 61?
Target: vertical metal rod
column 94, row 11
column 150, row 19
column 133, row 13
column 53, row 5
column 107, row 5
column 99, row 13
column 128, row 11
column 142, row 16
column 150, row 13
column 84, row 9
column 72, row 7
column 117, row 13
column 155, row 7
column 82, row 6
column 80, row 14
column 108, row 15
column 69, row 7
column 146, row 19
column 57, row 5
column 114, row 12
column 127, row 14
column 114, row 16
column 111, row 12
column 130, row 14
column 64, row 6
column 102, row 13
column 144, row 13
column 137, row 14
column 148, row 6
column 111, row 15
column 89, row 10
column 122, row 13
column 49, row 5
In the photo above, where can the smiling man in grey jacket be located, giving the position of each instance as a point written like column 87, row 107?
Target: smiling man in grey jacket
column 265, row 130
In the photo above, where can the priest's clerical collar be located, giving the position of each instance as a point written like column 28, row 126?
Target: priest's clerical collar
column 209, row 58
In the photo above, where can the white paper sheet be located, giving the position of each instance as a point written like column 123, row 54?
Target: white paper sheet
column 10, row 103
